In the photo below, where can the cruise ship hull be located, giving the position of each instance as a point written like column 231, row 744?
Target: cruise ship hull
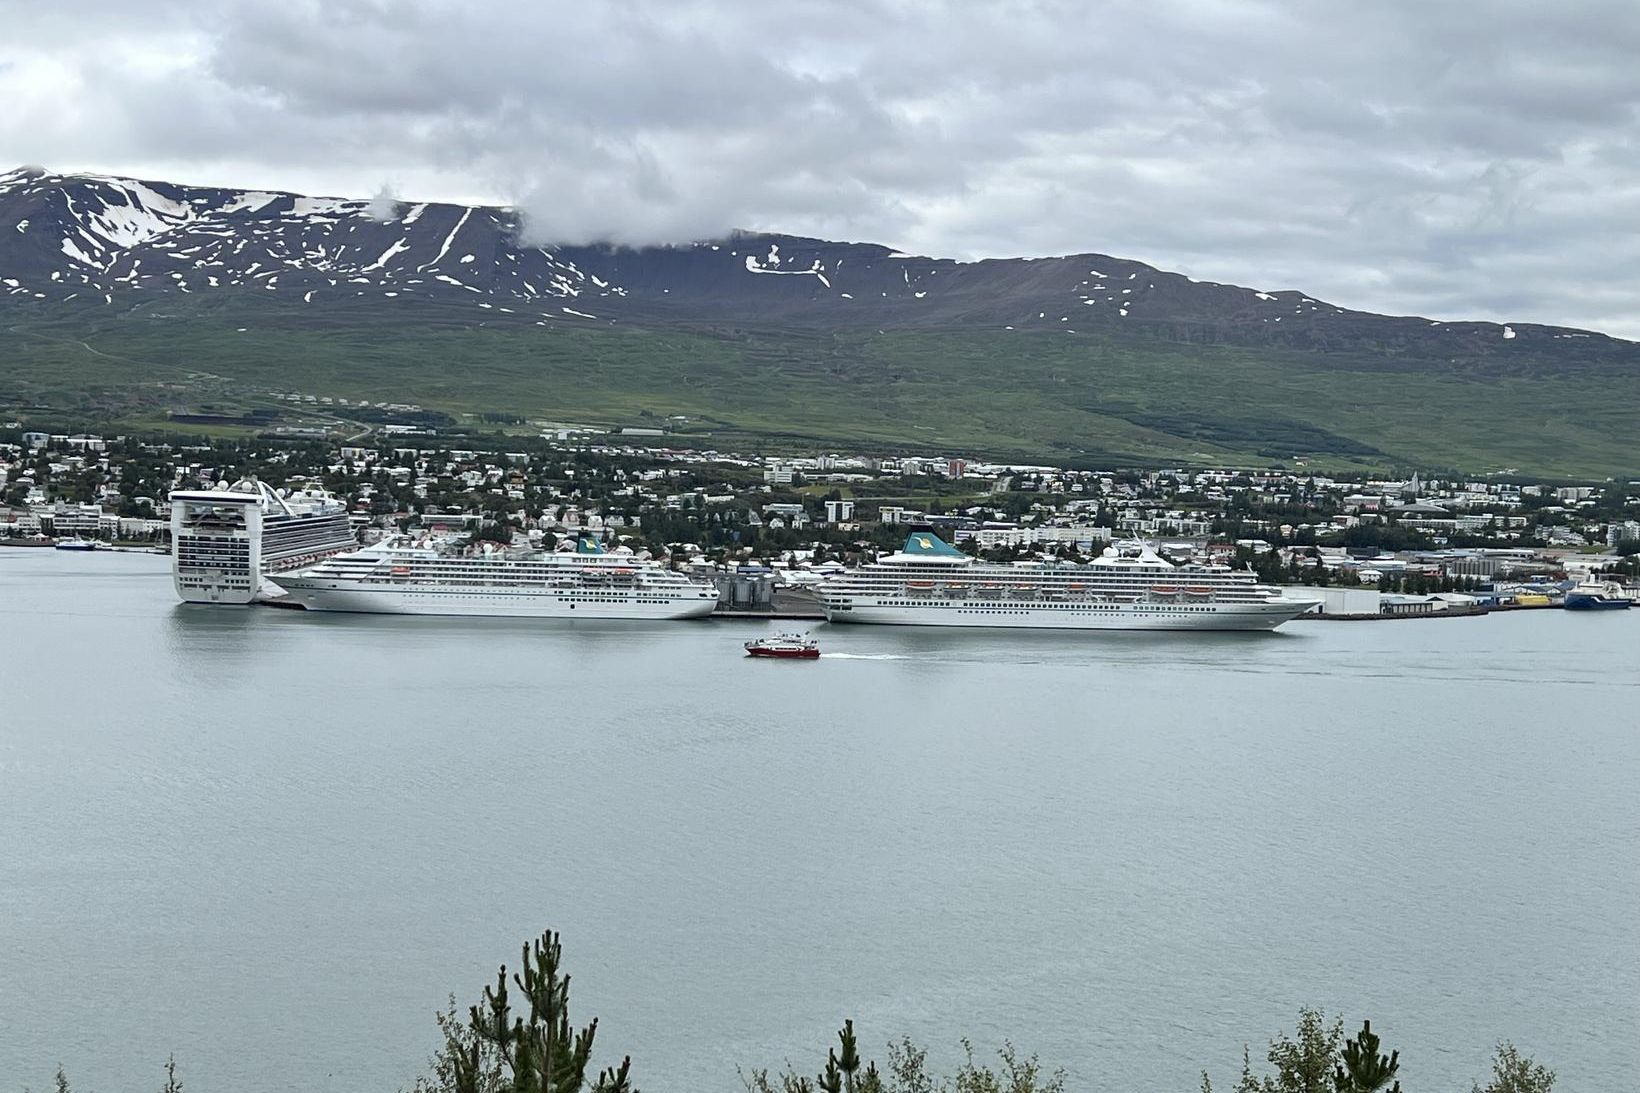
column 1241, row 616
column 318, row 595
column 1595, row 603
column 1128, row 587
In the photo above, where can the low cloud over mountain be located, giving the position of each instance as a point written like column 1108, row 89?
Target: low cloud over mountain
column 1406, row 157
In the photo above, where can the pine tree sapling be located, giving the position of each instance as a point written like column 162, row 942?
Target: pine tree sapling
column 500, row 1051
column 831, row 1078
column 172, row 1085
column 551, row 1058
column 1362, row 1069
column 848, row 1060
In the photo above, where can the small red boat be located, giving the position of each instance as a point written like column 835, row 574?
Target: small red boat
column 785, row 647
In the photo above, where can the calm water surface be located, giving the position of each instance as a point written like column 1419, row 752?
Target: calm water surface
column 274, row 843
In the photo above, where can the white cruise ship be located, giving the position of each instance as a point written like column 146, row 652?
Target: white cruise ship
column 225, row 542
column 1129, row 587
column 401, row 578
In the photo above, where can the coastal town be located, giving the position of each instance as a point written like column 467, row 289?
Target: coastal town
column 765, row 526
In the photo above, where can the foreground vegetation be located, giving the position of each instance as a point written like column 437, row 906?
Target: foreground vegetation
column 497, row 1049
column 519, row 1038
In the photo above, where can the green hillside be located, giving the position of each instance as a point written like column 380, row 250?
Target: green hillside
column 1089, row 397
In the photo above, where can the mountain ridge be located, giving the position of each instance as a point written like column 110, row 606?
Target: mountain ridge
column 108, row 235
column 109, row 282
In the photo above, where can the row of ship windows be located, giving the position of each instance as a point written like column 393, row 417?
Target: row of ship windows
column 1047, row 607
column 1049, row 590
column 519, row 585
column 585, row 597
column 1015, row 611
column 524, row 579
column 856, row 583
column 571, row 601
column 1046, row 571
column 1028, row 611
column 458, row 574
column 309, row 545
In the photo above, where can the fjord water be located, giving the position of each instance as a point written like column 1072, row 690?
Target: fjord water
column 274, row 842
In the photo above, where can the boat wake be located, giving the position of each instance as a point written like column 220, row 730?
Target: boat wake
column 864, row 656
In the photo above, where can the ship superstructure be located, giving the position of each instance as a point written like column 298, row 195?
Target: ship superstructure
column 402, row 577
column 1128, row 587
column 1595, row 595
column 225, row 542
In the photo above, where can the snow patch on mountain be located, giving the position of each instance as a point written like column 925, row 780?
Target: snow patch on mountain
column 324, row 206
column 251, row 201
column 398, row 246
column 816, row 270
column 444, row 248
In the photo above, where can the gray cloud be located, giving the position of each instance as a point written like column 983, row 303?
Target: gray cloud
column 384, row 205
column 1405, row 157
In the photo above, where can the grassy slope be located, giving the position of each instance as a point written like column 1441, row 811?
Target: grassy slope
column 999, row 391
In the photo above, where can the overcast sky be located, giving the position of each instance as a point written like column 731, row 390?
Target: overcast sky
column 1475, row 160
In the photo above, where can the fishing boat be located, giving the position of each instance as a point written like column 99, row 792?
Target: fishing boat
column 784, row 647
